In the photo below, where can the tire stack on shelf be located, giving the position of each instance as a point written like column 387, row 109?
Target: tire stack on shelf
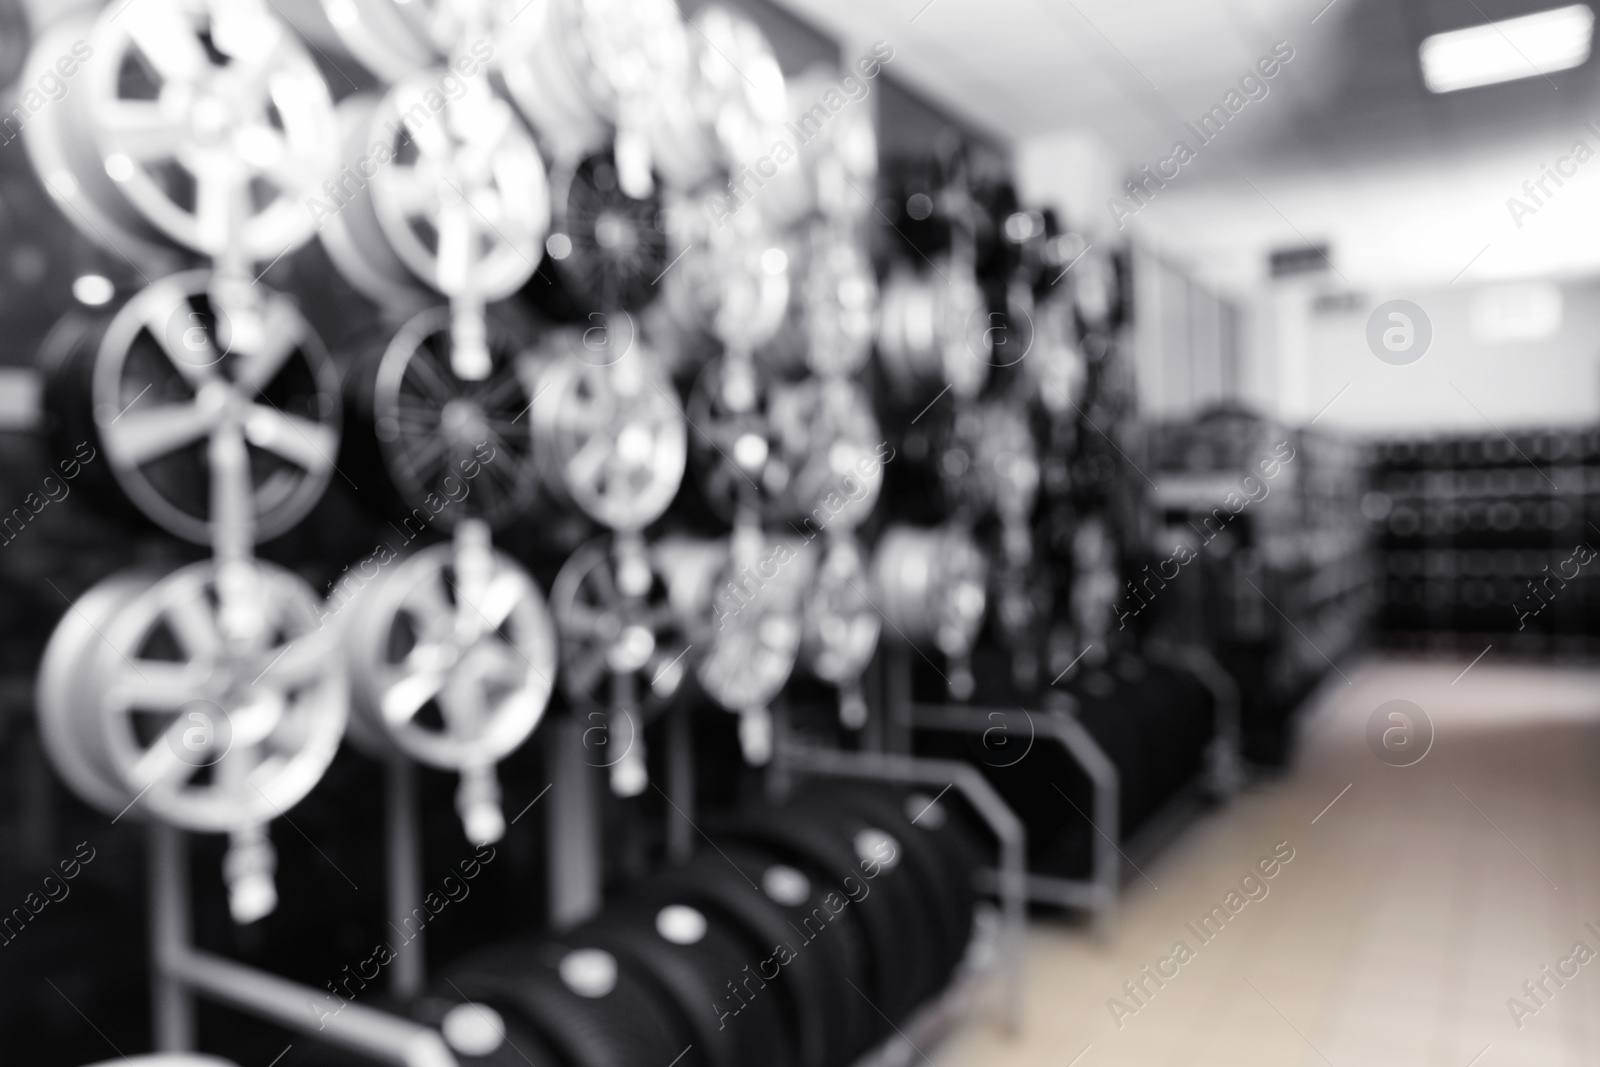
column 802, row 937
column 1285, row 584
column 1488, row 540
column 1026, row 463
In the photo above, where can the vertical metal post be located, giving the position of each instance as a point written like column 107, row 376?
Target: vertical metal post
column 778, row 779
column 171, row 1002
column 680, row 784
column 574, row 828
column 403, row 859
column 897, row 700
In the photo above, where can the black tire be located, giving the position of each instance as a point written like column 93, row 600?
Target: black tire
column 887, row 907
column 622, row 1026
column 736, row 1018
column 952, row 842
column 520, row 1047
column 1176, row 723
column 743, row 885
column 946, row 907
column 1108, row 717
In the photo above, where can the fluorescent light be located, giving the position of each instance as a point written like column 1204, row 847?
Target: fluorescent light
column 1524, row 47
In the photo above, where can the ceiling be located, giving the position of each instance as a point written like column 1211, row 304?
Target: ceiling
column 1347, row 145
column 1135, row 70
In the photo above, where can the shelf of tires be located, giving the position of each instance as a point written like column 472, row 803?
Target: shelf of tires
column 1488, row 540
column 439, row 401
column 1286, row 586
column 1012, row 445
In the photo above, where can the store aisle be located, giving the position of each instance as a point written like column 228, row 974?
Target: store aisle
column 1412, row 909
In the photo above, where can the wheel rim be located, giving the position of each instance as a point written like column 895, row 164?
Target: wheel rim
column 826, row 436
column 934, row 585
column 222, row 93
column 841, row 626
column 64, row 690
column 998, row 467
column 606, row 631
column 925, row 332
column 750, row 646
column 464, row 203
column 611, row 438
column 64, row 155
column 272, row 708
column 841, row 301
column 455, row 678
column 433, row 427
column 172, row 371
column 352, row 234
column 613, row 248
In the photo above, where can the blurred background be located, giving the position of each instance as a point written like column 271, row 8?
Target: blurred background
column 600, row 532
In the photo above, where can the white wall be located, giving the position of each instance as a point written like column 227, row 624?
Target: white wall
column 1075, row 173
column 1463, row 383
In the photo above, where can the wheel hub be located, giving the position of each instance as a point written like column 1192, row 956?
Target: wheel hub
column 464, row 422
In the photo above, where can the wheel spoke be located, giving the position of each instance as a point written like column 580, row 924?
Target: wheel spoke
column 501, row 598
column 406, row 697
column 427, row 375
column 304, row 660
column 428, row 603
column 138, row 436
column 507, row 431
column 505, row 388
column 587, row 668
column 189, row 350
column 155, row 685
column 584, row 468
column 425, row 454
column 160, row 762
column 168, row 40
column 419, row 413
column 501, row 663
column 487, row 203
column 284, row 330
column 431, row 138
column 578, row 621
column 498, row 487
column 194, row 624
column 414, row 193
column 142, row 130
column 309, row 445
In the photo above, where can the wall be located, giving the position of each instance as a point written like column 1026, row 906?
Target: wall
column 1462, row 383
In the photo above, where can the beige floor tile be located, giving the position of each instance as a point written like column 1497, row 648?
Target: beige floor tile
column 1414, row 907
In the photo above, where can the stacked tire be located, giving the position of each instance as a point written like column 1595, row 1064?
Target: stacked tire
column 800, row 938
column 1153, row 722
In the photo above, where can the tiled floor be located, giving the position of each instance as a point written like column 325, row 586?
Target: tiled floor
column 1412, row 910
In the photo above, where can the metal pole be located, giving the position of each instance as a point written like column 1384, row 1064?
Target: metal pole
column 179, row 972
column 167, row 872
column 897, row 700
column 680, row 785
column 573, row 864
column 404, row 862
column 316, row 1013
